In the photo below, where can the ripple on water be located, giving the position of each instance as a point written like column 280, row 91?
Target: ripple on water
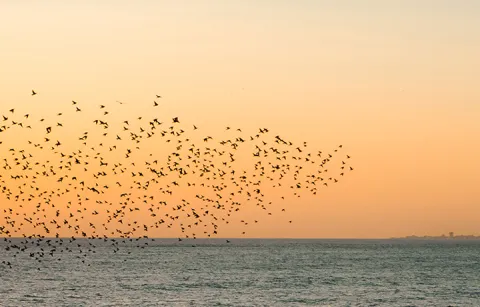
column 276, row 273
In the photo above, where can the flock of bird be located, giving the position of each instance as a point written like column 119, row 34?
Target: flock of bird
column 111, row 183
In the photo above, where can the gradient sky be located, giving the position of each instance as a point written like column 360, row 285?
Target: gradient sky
column 395, row 82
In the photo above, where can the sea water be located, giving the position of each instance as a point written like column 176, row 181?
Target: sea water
column 248, row 272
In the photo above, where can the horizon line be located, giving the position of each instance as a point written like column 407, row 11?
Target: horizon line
column 413, row 237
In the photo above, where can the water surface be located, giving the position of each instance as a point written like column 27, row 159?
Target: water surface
column 248, row 272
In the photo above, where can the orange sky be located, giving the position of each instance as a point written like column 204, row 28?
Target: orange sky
column 394, row 82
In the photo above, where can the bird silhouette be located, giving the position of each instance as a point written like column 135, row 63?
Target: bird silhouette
column 62, row 192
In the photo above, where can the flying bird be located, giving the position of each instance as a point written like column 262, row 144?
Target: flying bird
column 119, row 189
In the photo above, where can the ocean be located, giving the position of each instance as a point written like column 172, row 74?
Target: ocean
column 248, row 272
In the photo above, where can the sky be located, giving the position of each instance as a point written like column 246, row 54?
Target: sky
column 394, row 82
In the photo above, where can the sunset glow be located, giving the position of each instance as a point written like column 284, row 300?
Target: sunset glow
column 394, row 83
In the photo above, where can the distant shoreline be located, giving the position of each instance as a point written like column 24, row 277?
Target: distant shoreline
column 443, row 237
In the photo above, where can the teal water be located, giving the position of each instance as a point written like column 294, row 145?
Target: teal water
column 249, row 273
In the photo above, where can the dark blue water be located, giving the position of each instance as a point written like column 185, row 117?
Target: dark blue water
column 250, row 273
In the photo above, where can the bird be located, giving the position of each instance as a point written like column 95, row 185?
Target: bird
column 33, row 93
column 112, row 160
